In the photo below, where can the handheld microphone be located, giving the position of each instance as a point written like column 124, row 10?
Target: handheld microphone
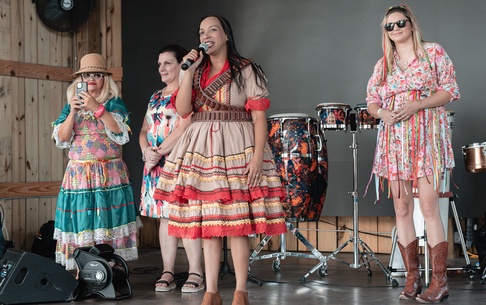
column 202, row 47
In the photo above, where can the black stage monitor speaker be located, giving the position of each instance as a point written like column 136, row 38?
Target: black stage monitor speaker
column 102, row 273
column 30, row 278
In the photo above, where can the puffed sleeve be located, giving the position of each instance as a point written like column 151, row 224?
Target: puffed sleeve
column 374, row 84
column 446, row 74
column 56, row 125
column 256, row 96
column 118, row 110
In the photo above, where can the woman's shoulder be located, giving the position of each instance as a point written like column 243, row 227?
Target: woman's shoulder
column 431, row 47
column 379, row 63
column 157, row 94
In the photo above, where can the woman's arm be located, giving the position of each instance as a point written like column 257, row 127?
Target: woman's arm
column 184, row 96
column 169, row 142
column 256, row 163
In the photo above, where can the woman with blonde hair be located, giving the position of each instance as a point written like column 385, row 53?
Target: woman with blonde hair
column 408, row 89
column 95, row 204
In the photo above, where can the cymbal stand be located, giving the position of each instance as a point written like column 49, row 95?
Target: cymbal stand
column 361, row 251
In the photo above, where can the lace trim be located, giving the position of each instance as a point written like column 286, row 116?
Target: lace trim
column 55, row 136
column 119, row 138
column 70, row 263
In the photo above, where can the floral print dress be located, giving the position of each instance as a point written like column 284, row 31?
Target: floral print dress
column 162, row 119
column 419, row 146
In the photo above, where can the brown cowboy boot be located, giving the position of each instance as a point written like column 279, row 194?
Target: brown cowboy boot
column 413, row 284
column 438, row 289
column 240, row 298
column 211, row 298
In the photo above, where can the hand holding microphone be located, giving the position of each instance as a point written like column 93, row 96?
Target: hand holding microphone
column 202, row 47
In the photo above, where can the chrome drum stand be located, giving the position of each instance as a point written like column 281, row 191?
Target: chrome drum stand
column 283, row 251
column 362, row 253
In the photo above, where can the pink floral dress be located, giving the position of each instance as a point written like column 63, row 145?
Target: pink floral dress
column 419, row 146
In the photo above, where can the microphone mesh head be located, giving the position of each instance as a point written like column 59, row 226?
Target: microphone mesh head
column 204, row 46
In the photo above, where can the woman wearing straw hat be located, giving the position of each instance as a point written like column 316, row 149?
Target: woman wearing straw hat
column 95, row 204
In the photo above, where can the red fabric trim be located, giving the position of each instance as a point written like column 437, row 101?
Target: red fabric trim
column 261, row 104
column 218, row 231
column 205, row 80
column 183, row 194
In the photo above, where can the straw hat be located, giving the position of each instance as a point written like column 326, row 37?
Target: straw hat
column 92, row 63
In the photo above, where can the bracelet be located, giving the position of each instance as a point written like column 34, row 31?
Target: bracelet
column 100, row 111
column 378, row 113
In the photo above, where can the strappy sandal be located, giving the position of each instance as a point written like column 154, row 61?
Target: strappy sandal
column 194, row 286
column 168, row 285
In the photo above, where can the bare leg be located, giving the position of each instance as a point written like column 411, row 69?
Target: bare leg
column 212, row 256
column 429, row 205
column 240, row 252
column 193, row 249
column 403, row 204
column 168, row 249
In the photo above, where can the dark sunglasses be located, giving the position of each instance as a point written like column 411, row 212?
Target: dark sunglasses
column 400, row 23
column 398, row 7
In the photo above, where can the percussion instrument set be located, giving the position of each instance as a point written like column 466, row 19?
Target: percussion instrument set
column 299, row 146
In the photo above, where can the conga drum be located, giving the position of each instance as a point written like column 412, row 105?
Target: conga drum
column 300, row 157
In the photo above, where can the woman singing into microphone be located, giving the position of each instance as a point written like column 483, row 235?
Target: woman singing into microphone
column 220, row 178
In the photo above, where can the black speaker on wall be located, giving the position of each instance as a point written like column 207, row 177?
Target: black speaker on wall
column 30, row 278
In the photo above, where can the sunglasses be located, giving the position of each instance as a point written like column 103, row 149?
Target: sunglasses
column 398, row 7
column 95, row 76
column 400, row 23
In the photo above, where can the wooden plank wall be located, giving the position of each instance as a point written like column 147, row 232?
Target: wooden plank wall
column 36, row 64
column 35, row 67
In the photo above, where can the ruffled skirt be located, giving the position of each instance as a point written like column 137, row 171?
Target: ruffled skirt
column 205, row 183
column 95, row 206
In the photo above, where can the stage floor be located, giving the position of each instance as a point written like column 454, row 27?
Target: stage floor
column 342, row 285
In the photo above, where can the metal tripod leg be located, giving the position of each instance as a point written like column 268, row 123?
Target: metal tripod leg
column 283, row 253
column 468, row 266
column 358, row 255
column 366, row 256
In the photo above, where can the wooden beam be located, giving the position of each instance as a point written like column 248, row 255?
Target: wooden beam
column 16, row 190
column 27, row 70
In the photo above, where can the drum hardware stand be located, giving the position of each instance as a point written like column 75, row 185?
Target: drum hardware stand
column 367, row 255
column 283, row 253
column 426, row 269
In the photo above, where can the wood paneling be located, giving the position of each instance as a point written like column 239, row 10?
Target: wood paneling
column 36, row 64
column 16, row 190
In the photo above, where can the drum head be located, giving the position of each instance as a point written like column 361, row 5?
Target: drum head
column 361, row 106
column 474, row 145
column 332, row 105
column 289, row 115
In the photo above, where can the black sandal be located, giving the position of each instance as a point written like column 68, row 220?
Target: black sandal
column 196, row 287
column 168, row 285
